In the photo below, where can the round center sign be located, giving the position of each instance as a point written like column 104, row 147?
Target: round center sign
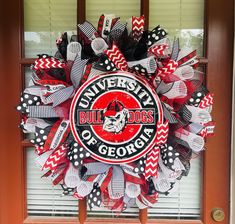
column 114, row 116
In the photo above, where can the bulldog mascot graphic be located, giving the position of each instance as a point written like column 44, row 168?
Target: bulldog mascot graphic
column 115, row 117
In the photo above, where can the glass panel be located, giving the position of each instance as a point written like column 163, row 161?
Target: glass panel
column 180, row 18
column 27, row 75
column 185, row 200
column 183, row 19
column 44, row 199
column 44, row 20
column 121, row 8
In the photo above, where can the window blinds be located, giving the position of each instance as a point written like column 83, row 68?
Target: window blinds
column 121, row 8
column 44, row 199
column 181, row 18
column 183, row 203
column 44, row 21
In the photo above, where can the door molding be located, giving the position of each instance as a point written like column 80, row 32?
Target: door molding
column 219, row 52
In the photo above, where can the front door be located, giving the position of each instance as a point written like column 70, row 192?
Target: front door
column 31, row 27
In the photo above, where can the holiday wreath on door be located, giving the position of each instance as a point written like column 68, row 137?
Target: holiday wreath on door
column 117, row 113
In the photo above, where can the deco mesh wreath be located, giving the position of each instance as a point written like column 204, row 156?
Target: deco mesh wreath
column 117, row 115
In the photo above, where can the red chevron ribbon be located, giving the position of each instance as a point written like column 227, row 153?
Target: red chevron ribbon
column 162, row 132
column 208, row 130
column 152, row 163
column 168, row 69
column 137, row 27
column 115, row 55
column 158, row 50
column 203, row 132
column 55, row 159
column 164, row 72
column 47, row 63
column 92, row 178
column 207, row 101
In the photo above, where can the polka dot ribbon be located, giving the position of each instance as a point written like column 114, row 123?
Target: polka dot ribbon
column 76, row 154
column 155, row 35
column 26, row 100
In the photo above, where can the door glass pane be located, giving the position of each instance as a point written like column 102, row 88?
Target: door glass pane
column 44, row 20
column 183, row 19
column 121, row 8
column 44, row 199
column 184, row 202
column 180, row 18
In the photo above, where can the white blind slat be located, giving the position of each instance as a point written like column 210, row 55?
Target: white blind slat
column 44, row 21
column 121, row 8
column 181, row 18
column 42, row 196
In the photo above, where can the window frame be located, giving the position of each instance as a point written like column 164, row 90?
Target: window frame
column 218, row 32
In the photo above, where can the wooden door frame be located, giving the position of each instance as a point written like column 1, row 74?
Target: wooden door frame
column 219, row 55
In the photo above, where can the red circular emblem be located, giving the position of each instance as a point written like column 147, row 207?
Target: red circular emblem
column 114, row 116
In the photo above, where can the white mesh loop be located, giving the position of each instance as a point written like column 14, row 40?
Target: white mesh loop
column 98, row 45
column 148, row 63
column 73, row 49
column 178, row 90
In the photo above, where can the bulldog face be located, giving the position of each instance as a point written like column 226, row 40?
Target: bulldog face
column 117, row 122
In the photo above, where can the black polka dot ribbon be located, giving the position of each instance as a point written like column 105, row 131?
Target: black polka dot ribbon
column 44, row 56
column 155, row 35
column 76, row 154
column 197, row 97
column 151, row 187
column 94, row 198
column 139, row 70
column 67, row 190
column 41, row 135
column 105, row 64
column 140, row 165
column 168, row 155
column 26, row 100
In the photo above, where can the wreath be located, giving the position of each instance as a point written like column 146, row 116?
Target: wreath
column 117, row 113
